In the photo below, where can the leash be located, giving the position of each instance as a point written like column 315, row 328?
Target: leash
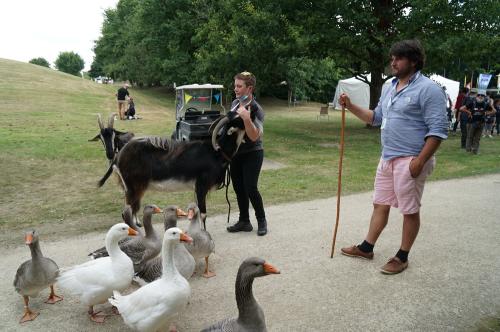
column 228, row 181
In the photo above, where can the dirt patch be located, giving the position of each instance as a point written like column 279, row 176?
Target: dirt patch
column 329, row 145
column 269, row 164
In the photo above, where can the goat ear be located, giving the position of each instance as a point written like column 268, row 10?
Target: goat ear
column 96, row 138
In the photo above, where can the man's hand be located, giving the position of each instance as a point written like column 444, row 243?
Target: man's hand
column 416, row 166
column 345, row 101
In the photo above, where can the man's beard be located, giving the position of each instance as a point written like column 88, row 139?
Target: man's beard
column 403, row 72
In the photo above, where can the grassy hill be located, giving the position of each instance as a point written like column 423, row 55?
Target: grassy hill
column 50, row 170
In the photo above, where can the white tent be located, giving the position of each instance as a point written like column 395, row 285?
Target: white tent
column 359, row 91
column 452, row 87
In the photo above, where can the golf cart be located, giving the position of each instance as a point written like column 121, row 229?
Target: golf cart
column 197, row 107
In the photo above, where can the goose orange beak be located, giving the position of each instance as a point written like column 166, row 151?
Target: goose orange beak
column 157, row 210
column 186, row 238
column 270, row 269
column 180, row 212
column 132, row 231
column 28, row 238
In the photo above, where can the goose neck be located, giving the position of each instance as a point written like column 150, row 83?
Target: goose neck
column 148, row 226
column 247, row 305
column 170, row 223
column 36, row 252
column 113, row 248
column 194, row 225
column 167, row 254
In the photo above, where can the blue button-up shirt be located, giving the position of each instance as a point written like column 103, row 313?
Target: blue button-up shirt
column 409, row 116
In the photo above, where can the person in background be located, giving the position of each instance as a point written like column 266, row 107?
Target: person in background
column 496, row 105
column 412, row 119
column 462, row 96
column 247, row 163
column 476, row 110
column 130, row 114
column 489, row 121
column 449, row 105
column 464, row 120
column 121, row 97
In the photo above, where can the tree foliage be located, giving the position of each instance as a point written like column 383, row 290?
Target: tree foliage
column 70, row 62
column 295, row 48
column 40, row 62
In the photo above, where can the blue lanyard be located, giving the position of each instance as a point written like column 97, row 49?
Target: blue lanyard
column 398, row 94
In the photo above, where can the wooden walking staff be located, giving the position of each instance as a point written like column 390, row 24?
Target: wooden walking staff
column 339, row 181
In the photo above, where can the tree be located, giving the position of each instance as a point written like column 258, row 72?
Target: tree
column 359, row 33
column 307, row 44
column 96, row 69
column 40, row 62
column 70, row 62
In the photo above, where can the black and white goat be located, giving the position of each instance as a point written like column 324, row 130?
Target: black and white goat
column 177, row 165
column 112, row 139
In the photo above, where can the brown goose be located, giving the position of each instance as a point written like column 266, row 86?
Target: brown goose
column 202, row 245
column 128, row 218
column 250, row 317
column 142, row 248
column 184, row 261
column 34, row 275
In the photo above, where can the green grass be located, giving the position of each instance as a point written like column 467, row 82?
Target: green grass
column 50, row 170
column 488, row 324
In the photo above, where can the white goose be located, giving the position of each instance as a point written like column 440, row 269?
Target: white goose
column 94, row 281
column 202, row 245
column 128, row 218
column 151, row 306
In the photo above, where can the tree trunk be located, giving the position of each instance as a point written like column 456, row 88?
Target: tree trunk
column 375, row 88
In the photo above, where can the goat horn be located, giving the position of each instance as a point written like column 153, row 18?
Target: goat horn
column 219, row 125
column 111, row 120
column 99, row 121
column 212, row 126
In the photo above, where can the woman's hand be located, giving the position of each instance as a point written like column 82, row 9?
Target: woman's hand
column 243, row 113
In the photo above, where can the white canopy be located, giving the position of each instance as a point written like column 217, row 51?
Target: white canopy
column 359, row 91
column 200, row 86
column 452, row 87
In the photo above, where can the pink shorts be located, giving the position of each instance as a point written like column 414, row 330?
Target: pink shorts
column 395, row 186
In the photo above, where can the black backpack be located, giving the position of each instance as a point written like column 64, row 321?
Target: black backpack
column 479, row 115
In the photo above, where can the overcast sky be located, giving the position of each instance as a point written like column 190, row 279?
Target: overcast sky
column 34, row 28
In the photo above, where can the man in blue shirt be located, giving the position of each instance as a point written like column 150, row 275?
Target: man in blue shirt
column 412, row 119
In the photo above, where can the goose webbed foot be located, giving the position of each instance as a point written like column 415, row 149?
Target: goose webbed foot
column 28, row 314
column 53, row 298
column 208, row 273
column 95, row 317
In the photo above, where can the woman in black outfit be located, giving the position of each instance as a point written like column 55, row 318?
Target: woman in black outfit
column 246, row 164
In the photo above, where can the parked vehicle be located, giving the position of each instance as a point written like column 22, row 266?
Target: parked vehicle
column 197, row 107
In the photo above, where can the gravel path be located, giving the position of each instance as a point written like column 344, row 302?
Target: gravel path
column 452, row 281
